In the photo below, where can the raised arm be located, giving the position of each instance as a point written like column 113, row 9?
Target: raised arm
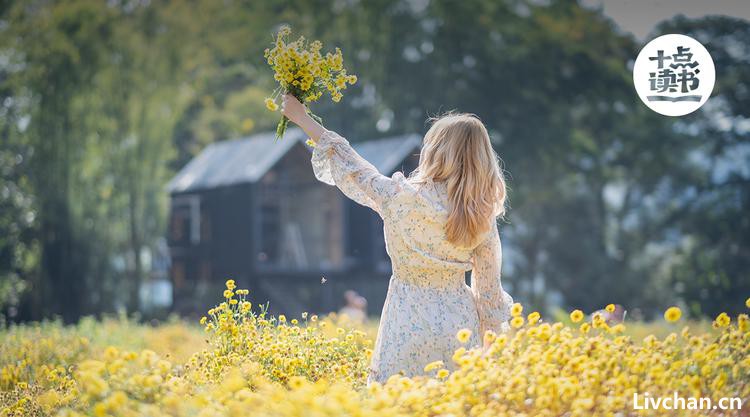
column 493, row 303
column 295, row 111
column 335, row 162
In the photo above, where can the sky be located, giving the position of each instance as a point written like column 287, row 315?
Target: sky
column 640, row 16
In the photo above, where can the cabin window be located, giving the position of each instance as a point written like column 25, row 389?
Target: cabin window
column 185, row 220
column 178, row 226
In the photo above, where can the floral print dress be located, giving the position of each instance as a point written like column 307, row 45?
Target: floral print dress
column 428, row 300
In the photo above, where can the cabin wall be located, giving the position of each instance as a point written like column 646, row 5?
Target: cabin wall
column 218, row 251
column 230, row 245
column 291, row 240
column 298, row 219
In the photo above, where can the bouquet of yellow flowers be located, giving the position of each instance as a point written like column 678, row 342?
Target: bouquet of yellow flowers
column 303, row 71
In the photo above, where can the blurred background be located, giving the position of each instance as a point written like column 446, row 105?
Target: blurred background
column 117, row 118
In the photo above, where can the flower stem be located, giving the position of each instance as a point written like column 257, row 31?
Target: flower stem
column 281, row 127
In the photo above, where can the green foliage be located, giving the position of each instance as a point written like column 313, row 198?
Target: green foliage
column 712, row 261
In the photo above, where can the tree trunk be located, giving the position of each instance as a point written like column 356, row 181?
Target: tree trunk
column 135, row 245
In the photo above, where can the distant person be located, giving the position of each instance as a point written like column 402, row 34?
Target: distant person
column 362, row 304
column 614, row 317
column 439, row 223
column 355, row 307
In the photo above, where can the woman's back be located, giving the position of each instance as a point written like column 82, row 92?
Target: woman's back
column 428, row 300
column 438, row 225
column 415, row 236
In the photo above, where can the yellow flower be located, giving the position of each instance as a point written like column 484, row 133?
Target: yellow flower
column 576, row 316
column 250, row 362
column 516, row 309
column 271, row 105
column 489, row 336
column 230, row 284
column 458, row 354
column 233, row 382
column 743, row 322
column 49, row 400
column 672, row 314
column 247, row 124
column 610, row 308
column 297, row 382
column 583, row 404
column 533, row 317
column 228, row 294
column 301, row 70
column 433, row 365
column 617, row 328
column 747, row 302
column 723, row 320
column 517, row 322
column 463, row 335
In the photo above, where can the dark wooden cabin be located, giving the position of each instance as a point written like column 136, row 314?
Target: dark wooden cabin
column 251, row 210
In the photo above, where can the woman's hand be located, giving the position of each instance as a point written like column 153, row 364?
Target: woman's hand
column 297, row 113
column 293, row 109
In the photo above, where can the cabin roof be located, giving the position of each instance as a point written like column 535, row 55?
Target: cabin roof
column 247, row 159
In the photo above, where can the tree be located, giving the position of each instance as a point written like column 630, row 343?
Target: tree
column 55, row 50
column 102, row 86
column 712, row 257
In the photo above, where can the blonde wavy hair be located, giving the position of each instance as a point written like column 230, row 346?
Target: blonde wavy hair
column 457, row 150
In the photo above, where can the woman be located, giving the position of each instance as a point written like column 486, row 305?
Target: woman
column 439, row 223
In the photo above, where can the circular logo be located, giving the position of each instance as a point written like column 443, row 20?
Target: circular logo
column 674, row 75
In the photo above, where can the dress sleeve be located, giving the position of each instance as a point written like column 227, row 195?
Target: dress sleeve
column 335, row 162
column 493, row 303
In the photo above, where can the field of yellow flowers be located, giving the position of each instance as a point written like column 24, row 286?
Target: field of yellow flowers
column 242, row 361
